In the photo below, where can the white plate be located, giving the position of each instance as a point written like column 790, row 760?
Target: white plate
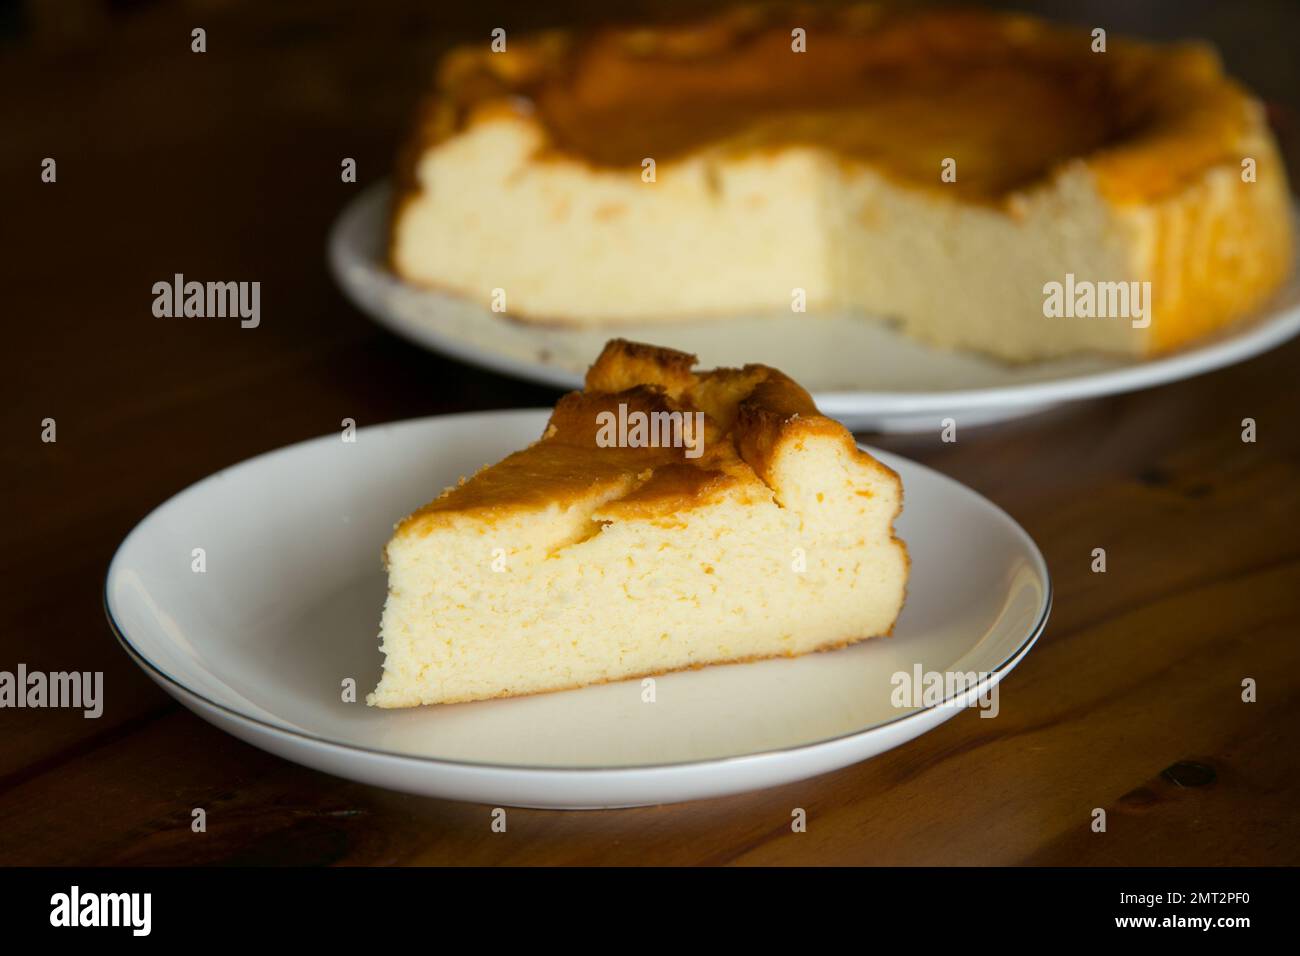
column 861, row 371
column 288, row 608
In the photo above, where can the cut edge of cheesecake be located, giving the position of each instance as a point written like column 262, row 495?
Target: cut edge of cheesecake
column 1165, row 202
column 689, row 557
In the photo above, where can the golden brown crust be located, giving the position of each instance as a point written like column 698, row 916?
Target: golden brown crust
column 623, row 365
column 1220, row 249
column 1017, row 98
column 746, row 417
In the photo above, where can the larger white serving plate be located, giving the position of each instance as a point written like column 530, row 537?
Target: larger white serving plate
column 862, row 372
column 287, row 609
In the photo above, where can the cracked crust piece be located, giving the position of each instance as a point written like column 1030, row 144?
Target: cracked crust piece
column 827, row 171
column 728, row 521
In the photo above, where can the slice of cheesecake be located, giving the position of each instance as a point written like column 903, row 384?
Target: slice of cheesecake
column 665, row 520
column 955, row 171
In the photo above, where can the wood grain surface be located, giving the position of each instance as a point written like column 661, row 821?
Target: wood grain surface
column 227, row 165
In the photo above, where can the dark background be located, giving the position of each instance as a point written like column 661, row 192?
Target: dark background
column 226, row 165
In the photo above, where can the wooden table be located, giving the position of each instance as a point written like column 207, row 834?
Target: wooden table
column 226, row 164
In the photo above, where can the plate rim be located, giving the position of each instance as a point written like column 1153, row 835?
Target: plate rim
column 1248, row 339
column 172, row 684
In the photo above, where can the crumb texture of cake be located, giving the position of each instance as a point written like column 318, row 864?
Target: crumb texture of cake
column 824, row 171
column 765, row 533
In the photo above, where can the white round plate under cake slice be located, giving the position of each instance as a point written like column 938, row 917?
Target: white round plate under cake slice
column 261, row 643
column 861, row 371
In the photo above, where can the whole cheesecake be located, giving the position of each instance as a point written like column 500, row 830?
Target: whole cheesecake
column 952, row 171
column 664, row 520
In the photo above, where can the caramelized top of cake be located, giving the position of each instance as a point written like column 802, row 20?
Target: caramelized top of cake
column 1012, row 99
column 745, row 414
